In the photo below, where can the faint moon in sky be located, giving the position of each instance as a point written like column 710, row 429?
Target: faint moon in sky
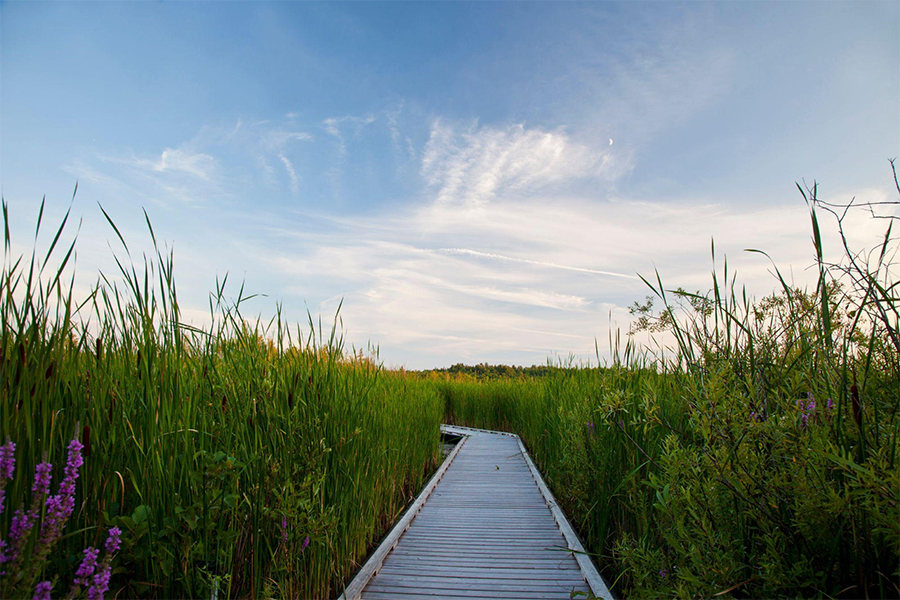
column 610, row 141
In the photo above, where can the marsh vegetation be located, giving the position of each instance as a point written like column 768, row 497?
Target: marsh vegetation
column 256, row 458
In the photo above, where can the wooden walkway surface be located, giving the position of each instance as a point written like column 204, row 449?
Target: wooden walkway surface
column 485, row 526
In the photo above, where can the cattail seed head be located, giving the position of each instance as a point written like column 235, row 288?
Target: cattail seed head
column 86, row 439
column 856, row 404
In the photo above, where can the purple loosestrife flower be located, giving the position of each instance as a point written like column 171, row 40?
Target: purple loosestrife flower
column 101, row 582
column 7, row 460
column 42, row 591
column 114, row 541
column 42, row 479
column 304, row 544
column 59, row 506
column 284, row 531
column 829, row 405
column 73, row 463
column 663, row 573
column 804, row 420
column 7, row 467
column 21, row 525
column 87, row 567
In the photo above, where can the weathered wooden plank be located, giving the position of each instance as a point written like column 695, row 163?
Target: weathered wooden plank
column 547, row 574
column 487, row 555
column 398, row 594
column 498, row 562
column 486, row 590
column 485, row 585
column 471, row 583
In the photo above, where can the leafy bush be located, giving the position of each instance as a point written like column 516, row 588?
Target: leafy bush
column 759, row 460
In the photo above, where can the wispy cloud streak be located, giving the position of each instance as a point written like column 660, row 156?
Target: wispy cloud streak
column 539, row 263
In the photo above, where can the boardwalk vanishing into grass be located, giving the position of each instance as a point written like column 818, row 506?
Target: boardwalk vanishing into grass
column 485, row 526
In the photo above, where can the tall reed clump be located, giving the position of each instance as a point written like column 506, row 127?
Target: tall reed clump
column 243, row 459
column 759, row 460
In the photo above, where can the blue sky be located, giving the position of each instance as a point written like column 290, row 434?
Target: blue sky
column 478, row 182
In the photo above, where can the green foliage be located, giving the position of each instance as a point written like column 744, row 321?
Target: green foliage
column 200, row 445
column 761, row 460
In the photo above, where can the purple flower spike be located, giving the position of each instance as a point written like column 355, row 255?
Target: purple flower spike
column 7, row 460
column 663, row 573
column 58, row 507
column 73, row 463
column 284, row 532
column 42, row 479
column 21, row 525
column 114, row 541
column 305, row 544
column 42, row 590
column 101, row 583
column 88, row 566
column 829, row 405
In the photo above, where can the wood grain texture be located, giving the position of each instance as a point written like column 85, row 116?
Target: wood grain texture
column 489, row 529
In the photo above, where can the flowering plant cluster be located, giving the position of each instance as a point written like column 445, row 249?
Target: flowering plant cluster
column 26, row 547
column 808, row 409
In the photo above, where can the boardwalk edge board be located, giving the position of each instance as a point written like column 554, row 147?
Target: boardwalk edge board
column 598, row 586
column 354, row 589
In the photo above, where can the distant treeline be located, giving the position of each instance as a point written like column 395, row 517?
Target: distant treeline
column 486, row 371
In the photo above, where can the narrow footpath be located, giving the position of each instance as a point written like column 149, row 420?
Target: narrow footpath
column 485, row 527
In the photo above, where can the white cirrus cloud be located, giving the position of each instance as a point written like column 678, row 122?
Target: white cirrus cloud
column 472, row 165
column 292, row 173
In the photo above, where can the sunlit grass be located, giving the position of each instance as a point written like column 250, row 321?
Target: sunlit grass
column 247, row 459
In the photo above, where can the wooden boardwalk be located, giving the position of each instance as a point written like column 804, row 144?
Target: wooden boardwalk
column 485, row 526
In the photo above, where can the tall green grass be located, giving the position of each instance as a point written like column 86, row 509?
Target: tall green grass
column 245, row 459
column 759, row 459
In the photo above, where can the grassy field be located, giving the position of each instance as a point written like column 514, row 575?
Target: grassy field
column 258, row 459
column 249, row 459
